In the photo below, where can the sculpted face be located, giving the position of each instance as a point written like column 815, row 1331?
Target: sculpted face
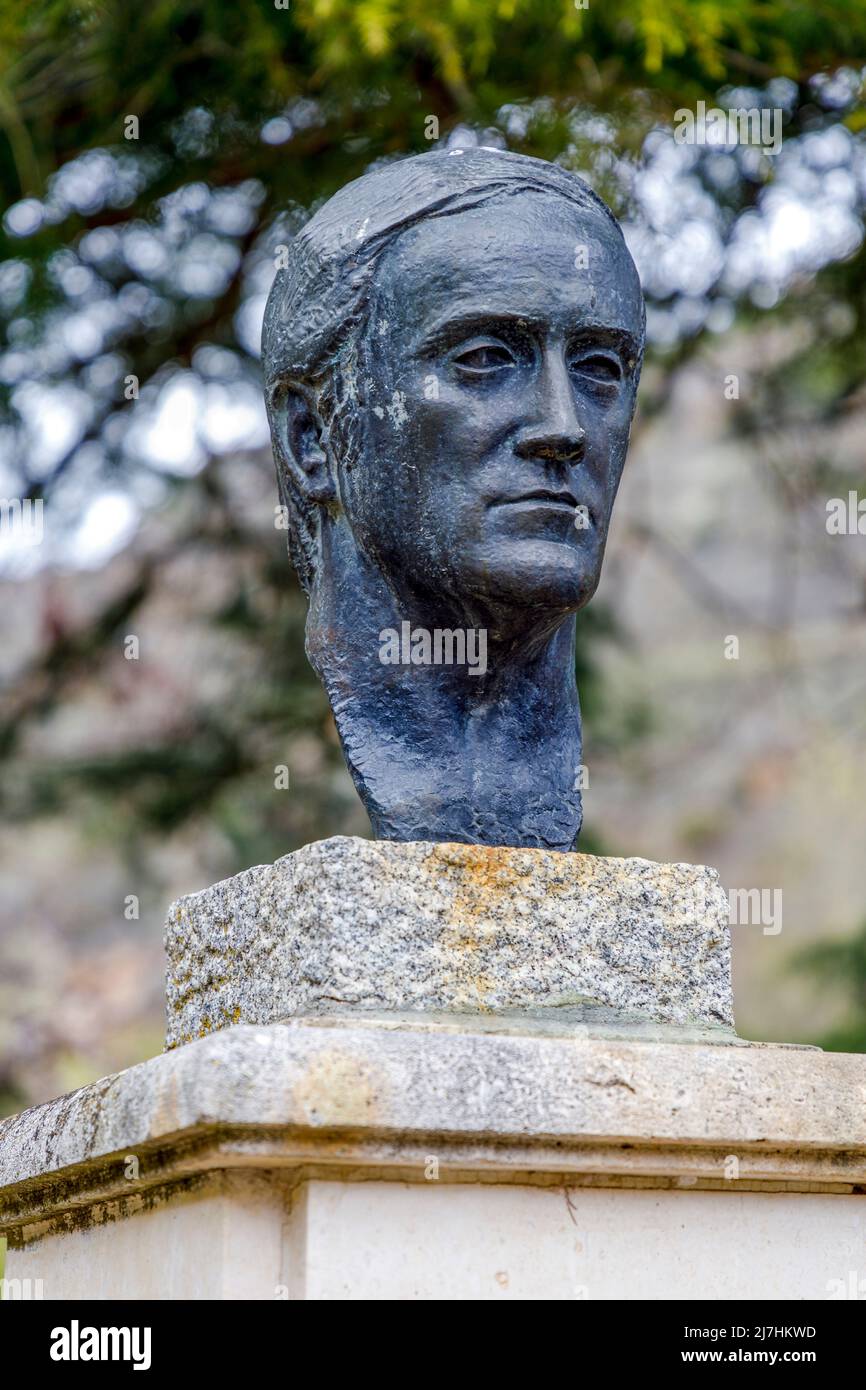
column 451, row 360
column 497, row 389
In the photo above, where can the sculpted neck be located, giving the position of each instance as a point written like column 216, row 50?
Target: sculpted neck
column 450, row 732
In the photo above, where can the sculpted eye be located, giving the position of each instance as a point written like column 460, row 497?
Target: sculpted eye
column 479, row 358
column 598, row 366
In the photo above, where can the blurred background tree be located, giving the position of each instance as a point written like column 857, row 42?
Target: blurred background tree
column 152, row 159
column 840, row 965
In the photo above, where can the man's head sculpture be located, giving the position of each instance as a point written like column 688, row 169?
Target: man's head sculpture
column 451, row 360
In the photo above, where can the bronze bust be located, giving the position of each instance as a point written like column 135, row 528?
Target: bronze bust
column 451, row 362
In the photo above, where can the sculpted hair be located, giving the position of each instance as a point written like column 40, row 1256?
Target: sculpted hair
column 317, row 308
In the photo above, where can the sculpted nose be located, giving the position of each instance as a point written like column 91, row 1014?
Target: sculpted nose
column 556, row 433
column 560, row 448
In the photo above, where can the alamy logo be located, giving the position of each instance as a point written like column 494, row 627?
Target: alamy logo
column 753, row 125
column 444, row 646
column 20, row 1290
column 22, row 518
column 756, row 907
column 854, row 1287
column 75, row 1343
column 847, row 518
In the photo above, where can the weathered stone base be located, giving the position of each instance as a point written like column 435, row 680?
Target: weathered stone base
column 348, row 925
column 339, row 1240
column 333, row 1159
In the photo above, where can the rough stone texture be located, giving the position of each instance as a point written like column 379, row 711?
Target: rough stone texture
column 347, row 924
column 339, row 1098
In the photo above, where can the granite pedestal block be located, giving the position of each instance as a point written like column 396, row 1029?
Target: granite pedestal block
column 349, row 925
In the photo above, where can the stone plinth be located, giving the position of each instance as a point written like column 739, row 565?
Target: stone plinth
column 347, row 1159
column 349, row 926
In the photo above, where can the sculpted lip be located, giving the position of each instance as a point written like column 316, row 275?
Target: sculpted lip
column 543, row 497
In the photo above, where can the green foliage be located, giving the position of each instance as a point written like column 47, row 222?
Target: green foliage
column 840, row 966
column 72, row 71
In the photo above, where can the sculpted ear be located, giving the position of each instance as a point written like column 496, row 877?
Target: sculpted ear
column 298, row 437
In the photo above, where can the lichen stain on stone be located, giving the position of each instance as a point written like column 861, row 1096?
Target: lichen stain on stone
column 106, row 1212
column 485, row 881
column 487, row 875
column 485, row 878
column 338, row 1090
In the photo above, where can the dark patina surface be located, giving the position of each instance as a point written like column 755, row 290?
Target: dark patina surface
column 451, row 359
